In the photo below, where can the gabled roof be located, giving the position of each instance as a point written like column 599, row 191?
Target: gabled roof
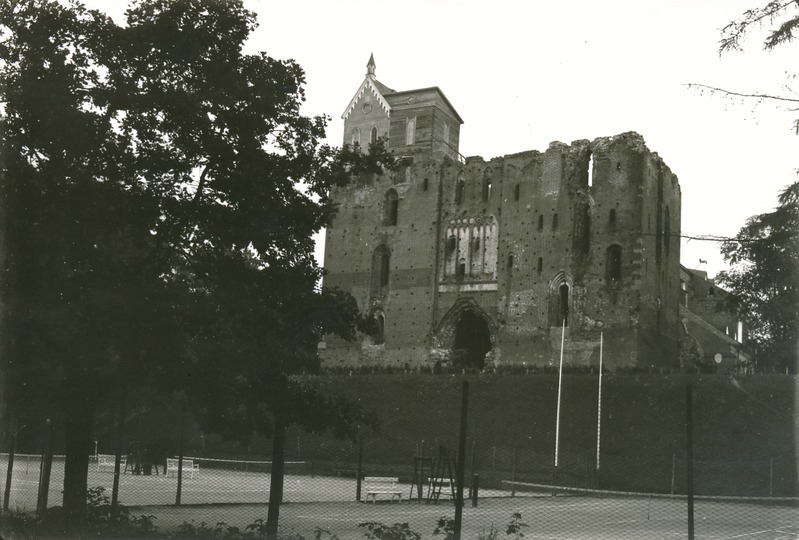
column 437, row 90
column 377, row 88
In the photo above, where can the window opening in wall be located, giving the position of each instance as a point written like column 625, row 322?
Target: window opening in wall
column 486, row 189
column 424, row 184
column 476, row 245
column 471, row 341
column 391, row 208
column 379, row 329
column 613, row 262
column 446, row 133
column 384, row 268
column 555, row 221
column 740, row 333
column 563, row 303
column 711, row 292
column 510, row 260
column 540, row 222
column 540, row 266
column 410, row 131
column 459, row 189
column 373, row 135
column 590, row 169
column 612, row 216
column 516, row 192
column 451, row 244
column 461, row 269
column 356, row 136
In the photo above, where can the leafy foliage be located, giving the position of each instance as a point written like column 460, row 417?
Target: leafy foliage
column 783, row 14
column 764, row 280
column 162, row 193
column 380, row 531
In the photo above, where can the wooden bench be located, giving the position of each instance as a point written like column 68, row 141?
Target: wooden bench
column 107, row 460
column 188, row 466
column 381, row 485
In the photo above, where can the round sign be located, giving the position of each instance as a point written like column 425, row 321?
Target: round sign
column 717, row 358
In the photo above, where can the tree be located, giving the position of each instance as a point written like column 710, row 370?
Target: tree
column 161, row 184
column 783, row 15
column 764, row 281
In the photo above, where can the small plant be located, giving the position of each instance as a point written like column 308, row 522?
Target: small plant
column 446, row 526
column 380, row 531
column 257, row 528
column 319, row 534
column 516, row 525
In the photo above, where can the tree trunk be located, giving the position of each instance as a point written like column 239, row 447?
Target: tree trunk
column 277, row 473
column 76, row 466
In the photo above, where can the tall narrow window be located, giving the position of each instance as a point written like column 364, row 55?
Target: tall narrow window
column 390, row 208
column 540, row 222
column 516, row 192
column 555, row 221
column 613, row 264
column 612, row 217
column 590, row 169
column 461, row 269
column 381, row 262
column 373, row 135
column 424, row 184
column 384, row 269
column 379, row 328
column 486, row 189
column 445, row 136
column 563, row 303
column 540, row 265
column 410, row 131
column 356, row 136
column 460, row 187
column 510, row 260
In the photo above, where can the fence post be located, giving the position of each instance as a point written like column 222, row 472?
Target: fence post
column 12, row 449
column 689, row 451
column 121, row 412
column 771, row 477
column 475, row 489
column 180, row 459
column 44, row 472
column 461, row 461
column 513, row 470
column 359, row 470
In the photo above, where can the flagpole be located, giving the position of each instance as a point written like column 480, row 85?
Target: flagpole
column 560, row 380
column 599, row 402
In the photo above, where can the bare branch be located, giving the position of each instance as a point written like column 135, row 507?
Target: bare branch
column 752, row 95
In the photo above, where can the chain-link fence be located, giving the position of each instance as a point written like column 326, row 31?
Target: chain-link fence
column 651, row 465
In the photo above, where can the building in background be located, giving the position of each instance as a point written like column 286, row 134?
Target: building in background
column 715, row 340
column 477, row 263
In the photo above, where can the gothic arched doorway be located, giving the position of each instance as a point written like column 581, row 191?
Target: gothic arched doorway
column 471, row 342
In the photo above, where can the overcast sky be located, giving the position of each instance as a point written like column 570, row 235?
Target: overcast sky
column 525, row 73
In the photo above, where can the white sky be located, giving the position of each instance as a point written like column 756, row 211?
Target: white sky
column 525, row 73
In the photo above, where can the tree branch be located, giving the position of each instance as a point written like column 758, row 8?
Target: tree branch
column 201, row 183
column 754, row 95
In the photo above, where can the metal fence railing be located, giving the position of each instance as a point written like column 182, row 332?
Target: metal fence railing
column 404, row 480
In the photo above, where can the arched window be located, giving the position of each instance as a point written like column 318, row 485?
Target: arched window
column 486, row 189
column 356, row 136
column 381, row 262
column 373, row 135
column 460, row 187
column 410, row 131
column 390, row 208
column 378, row 327
column 563, row 303
column 613, row 264
column 559, row 299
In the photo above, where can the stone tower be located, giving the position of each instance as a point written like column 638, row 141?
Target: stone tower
column 478, row 263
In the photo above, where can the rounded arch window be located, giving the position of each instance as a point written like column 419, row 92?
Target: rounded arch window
column 391, row 208
column 356, row 136
column 373, row 135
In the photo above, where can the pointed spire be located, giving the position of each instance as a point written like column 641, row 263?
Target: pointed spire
column 370, row 67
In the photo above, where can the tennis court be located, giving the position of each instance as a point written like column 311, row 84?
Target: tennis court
column 239, row 497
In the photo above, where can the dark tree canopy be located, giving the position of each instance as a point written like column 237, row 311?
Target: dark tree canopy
column 161, row 191
column 764, row 281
